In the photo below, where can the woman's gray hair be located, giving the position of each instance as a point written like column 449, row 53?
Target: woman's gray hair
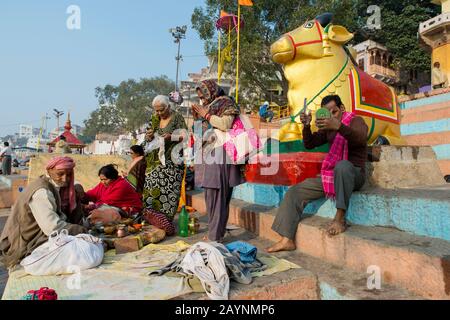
column 161, row 100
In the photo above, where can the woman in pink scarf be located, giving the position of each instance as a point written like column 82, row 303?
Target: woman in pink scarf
column 343, row 171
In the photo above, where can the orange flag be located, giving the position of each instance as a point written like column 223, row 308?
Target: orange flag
column 247, row 3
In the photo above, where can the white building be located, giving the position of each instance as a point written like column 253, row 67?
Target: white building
column 108, row 144
column 25, row 131
column 376, row 60
column 34, row 142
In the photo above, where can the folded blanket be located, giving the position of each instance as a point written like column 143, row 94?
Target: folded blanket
column 247, row 252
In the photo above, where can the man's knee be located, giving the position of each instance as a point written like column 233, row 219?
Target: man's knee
column 343, row 168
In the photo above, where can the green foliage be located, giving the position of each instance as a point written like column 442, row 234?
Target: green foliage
column 122, row 108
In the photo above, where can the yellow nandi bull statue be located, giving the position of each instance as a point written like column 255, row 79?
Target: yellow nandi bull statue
column 317, row 63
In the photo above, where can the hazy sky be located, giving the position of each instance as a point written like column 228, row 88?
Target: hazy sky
column 44, row 65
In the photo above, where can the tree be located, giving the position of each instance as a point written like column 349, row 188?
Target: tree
column 267, row 20
column 400, row 22
column 122, row 108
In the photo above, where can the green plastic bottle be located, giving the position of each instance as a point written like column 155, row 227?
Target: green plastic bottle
column 183, row 223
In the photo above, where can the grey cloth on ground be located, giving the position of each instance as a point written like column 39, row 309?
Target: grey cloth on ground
column 237, row 271
column 347, row 178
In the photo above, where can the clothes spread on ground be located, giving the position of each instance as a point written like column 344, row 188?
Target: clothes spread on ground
column 202, row 260
column 245, row 251
column 125, row 277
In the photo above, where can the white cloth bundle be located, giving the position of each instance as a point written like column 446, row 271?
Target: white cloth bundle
column 64, row 254
column 212, row 272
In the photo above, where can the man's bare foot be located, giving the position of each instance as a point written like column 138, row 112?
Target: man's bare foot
column 336, row 227
column 284, row 245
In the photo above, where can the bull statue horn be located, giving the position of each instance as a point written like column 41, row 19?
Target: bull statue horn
column 325, row 19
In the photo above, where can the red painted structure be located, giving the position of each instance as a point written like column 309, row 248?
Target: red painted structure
column 293, row 168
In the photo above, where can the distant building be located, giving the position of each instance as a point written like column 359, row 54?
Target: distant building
column 25, row 131
column 71, row 139
column 109, row 144
column 36, row 142
column 375, row 59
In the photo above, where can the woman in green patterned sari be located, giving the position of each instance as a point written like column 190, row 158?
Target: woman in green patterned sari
column 163, row 178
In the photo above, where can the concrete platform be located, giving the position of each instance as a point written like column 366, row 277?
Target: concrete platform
column 316, row 280
column 418, row 264
column 423, row 211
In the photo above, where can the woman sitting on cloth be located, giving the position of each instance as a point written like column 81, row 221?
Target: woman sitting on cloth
column 136, row 174
column 113, row 192
column 164, row 177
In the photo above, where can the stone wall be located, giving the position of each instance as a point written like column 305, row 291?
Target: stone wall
column 86, row 170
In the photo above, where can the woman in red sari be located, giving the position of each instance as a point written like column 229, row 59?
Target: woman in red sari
column 114, row 191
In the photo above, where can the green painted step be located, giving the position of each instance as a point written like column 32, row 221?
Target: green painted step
column 293, row 147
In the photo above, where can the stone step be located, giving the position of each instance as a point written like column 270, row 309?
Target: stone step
column 426, row 113
column 420, row 211
column 418, row 264
column 421, row 100
column 6, row 196
column 315, row 280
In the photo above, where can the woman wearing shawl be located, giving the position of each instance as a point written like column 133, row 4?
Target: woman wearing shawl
column 343, row 171
column 217, row 177
column 164, row 177
column 136, row 173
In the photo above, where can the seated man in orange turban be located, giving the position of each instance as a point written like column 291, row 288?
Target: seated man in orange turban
column 46, row 206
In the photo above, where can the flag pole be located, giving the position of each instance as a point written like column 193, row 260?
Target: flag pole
column 238, row 52
column 218, row 55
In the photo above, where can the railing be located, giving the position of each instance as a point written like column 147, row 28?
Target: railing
column 383, row 71
column 434, row 22
column 281, row 112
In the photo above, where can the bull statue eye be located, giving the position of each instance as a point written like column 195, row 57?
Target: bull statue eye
column 309, row 25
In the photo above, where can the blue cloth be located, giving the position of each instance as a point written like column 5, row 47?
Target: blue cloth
column 263, row 110
column 247, row 252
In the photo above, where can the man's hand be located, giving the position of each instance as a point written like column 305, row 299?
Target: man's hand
column 201, row 111
column 329, row 124
column 305, row 119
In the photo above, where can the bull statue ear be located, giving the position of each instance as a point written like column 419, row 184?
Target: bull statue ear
column 339, row 34
column 325, row 19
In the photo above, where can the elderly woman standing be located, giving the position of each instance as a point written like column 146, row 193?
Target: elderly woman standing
column 163, row 181
column 218, row 178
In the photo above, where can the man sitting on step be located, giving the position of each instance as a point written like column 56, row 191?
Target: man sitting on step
column 343, row 171
column 48, row 204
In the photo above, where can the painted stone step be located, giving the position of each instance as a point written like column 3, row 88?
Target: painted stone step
column 388, row 167
column 418, row 264
column 284, row 168
column 315, row 280
column 420, row 211
column 426, row 101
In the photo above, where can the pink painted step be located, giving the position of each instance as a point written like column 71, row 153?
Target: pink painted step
column 418, row 264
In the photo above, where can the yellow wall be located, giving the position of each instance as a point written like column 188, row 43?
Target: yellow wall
column 445, row 6
column 86, row 170
column 442, row 55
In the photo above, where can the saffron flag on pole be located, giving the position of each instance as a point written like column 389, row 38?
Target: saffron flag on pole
column 247, row 3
